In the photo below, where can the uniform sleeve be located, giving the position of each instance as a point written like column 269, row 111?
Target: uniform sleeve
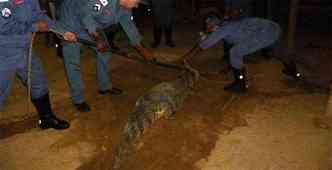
column 213, row 38
column 130, row 28
column 11, row 25
column 39, row 15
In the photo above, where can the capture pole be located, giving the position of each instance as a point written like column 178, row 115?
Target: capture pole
column 83, row 41
column 125, row 55
column 29, row 69
column 292, row 19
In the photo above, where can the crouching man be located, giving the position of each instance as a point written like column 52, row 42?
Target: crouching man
column 245, row 36
column 19, row 19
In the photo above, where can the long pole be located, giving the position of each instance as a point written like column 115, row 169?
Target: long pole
column 292, row 20
column 29, row 69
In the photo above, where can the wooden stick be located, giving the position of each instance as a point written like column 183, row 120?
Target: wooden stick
column 29, row 60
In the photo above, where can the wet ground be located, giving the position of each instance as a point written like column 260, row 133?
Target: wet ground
column 271, row 127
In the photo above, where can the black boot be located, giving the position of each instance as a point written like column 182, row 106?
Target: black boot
column 157, row 37
column 169, row 38
column 291, row 70
column 239, row 84
column 46, row 117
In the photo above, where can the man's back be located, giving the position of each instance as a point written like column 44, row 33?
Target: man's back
column 249, row 28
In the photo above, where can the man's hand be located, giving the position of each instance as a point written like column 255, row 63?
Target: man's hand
column 70, row 36
column 146, row 53
column 42, row 26
column 102, row 46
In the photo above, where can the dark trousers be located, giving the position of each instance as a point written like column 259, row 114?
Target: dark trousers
column 163, row 19
column 111, row 32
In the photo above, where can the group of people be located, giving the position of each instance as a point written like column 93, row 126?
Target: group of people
column 20, row 19
column 85, row 19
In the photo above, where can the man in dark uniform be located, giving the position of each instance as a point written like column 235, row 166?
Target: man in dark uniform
column 86, row 18
column 18, row 20
column 247, row 35
column 233, row 10
column 163, row 21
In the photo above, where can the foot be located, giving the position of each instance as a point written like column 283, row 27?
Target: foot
column 83, row 107
column 53, row 122
column 113, row 91
column 236, row 87
column 170, row 44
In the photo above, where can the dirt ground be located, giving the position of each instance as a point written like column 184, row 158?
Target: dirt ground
column 272, row 127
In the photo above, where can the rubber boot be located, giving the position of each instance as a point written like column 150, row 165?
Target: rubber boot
column 290, row 70
column 47, row 119
column 239, row 84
